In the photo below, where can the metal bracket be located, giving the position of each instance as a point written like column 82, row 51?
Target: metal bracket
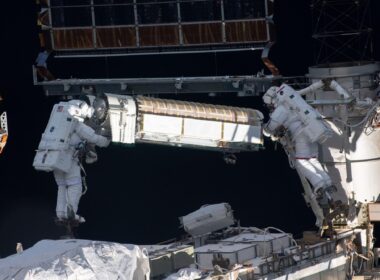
column 66, row 87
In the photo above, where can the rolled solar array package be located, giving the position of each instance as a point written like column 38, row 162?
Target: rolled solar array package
column 182, row 123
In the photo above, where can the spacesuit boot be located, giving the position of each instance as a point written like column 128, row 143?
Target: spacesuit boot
column 80, row 219
column 322, row 192
column 325, row 200
column 74, row 217
column 67, row 202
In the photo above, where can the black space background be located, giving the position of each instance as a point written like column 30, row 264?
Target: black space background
column 136, row 194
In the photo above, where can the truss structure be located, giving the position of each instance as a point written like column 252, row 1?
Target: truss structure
column 342, row 29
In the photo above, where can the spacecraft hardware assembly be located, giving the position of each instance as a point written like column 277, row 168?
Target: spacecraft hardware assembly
column 329, row 127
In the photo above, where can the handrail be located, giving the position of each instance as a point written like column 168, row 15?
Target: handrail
column 275, row 265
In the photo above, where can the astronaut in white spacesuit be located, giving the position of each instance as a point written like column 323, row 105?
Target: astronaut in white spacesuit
column 301, row 129
column 60, row 148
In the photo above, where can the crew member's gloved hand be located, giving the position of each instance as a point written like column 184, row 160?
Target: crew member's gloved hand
column 91, row 157
column 266, row 132
column 274, row 138
column 103, row 141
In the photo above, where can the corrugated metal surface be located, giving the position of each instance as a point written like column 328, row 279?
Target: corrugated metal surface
column 206, row 33
column 159, row 35
column 374, row 212
column 246, row 31
column 162, row 35
column 73, row 39
column 198, row 110
column 96, row 25
column 116, row 37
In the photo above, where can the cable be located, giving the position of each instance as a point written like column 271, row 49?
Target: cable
column 279, row 230
column 351, row 269
column 364, row 120
column 84, row 182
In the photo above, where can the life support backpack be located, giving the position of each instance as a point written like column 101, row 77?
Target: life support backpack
column 54, row 152
column 313, row 124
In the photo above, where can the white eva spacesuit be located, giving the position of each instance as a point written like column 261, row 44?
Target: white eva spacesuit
column 59, row 151
column 302, row 129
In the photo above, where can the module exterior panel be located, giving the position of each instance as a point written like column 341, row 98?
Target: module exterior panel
column 170, row 126
column 230, row 254
column 266, row 243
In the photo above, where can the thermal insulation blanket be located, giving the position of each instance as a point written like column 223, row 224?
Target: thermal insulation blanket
column 185, row 274
column 76, row 259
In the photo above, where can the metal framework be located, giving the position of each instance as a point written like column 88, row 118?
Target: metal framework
column 343, row 30
column 92, row 28
column 133, row 26
column 240, row 85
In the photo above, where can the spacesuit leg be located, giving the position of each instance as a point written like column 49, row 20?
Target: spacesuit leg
column 305, row 151
column 74, row 189
column 74, row 193
column 317, row 165
column 308, row 170
column 61, row 208
column 303, row 147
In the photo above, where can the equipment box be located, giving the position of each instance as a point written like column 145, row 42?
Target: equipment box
column 208, row 219
column 228, row 254
column 266, row 243
column 166, row 259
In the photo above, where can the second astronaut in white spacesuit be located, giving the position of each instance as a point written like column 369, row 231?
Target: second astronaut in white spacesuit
column 302, row 129
column 59, row 151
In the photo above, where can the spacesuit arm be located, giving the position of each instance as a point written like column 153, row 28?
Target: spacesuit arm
column 312, row 88
column 87, row 133
column 277, row 119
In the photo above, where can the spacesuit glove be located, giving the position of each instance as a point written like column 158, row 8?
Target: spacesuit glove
column 91, row 157
column 103, row 141
column 266, row 132
column 274, row 138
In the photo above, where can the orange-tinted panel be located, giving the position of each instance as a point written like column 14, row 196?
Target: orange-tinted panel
column 45, row 39
column 246, row 31
column 73, row 39
column 116, row 37
column 205, row 33
column 159, row 35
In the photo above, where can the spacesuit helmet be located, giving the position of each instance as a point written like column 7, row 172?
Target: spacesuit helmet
column 100, row 106
column 80, row 109
column 270, row 97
